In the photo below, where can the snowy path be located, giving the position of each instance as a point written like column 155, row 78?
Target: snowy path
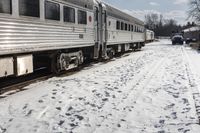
column 155, row 90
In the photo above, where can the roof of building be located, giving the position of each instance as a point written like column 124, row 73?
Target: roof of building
column 194, row 28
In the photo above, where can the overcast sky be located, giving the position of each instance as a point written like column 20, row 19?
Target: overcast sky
column 175, row 9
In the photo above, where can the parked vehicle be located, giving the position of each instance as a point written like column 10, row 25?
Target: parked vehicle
column 62, row 34
column 177, row 39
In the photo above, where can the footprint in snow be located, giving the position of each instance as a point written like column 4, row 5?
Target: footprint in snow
column 161, row 131
column 40, row 101
column 2, row 130
column 57, row 85
column 61, row 122
column 80, row 118
column 174, row 115
column 169, row 106
column 176, row 95
column 107, row 94
column 73, row 125
column 186, row 131
column 105, row 99
column 58, row 108
column 54, row 93
column 29, row 113
column 185, row 101
column 186, row 110
column 162, row 121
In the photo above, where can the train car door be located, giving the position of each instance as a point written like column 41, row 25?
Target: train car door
column 100, row 32
column 104, row 33
column 97, row 32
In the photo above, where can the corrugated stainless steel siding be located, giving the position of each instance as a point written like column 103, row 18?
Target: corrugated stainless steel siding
column 19, row 36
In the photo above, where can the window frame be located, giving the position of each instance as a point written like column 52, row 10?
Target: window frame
column 129, row 27
column 25, row 15
column 132, row 28
column 74, row 19
column 126, row 27
column 10, row 10
column 122, row 26
column 83, row 11
column 118, row 25
column 45, row 11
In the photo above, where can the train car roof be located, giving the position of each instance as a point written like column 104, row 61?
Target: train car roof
column 117, row 13
column 149, row 30
column 195, row 28
column 82, row 3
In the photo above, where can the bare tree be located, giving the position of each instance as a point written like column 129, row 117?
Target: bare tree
column 160, row 25
column 194, row 11
column 151, row 20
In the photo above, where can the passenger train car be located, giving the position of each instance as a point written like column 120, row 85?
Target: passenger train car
column 61, row 34
column 150, row 35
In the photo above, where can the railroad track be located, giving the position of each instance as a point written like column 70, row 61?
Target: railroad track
column 12, row 85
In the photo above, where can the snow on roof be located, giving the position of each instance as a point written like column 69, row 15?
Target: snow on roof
column 195, row 28
column 149, row 30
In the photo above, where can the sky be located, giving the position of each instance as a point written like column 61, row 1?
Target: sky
column 170, row 9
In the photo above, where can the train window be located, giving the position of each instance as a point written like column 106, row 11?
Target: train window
column 105, row 17
column 29, row 8
column 129, row 27
column 132, row 28
column 135, row 28
column 6, row 6
column 69, row 14
column 82, row 17
column 122, row 25
column 126, row 28
column 96, row 14
column 52, row 10
column 109, row 23
column 118, row 25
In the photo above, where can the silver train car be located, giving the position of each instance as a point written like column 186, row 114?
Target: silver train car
column 149, row 35
column 61, row 34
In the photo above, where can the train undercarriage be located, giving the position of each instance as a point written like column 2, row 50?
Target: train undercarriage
column 56, row 61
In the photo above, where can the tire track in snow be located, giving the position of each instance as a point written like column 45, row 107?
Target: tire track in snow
column 136, row 91
column 105, row 112
column 193, row 82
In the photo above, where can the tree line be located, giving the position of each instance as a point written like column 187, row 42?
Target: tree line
column 165, row 27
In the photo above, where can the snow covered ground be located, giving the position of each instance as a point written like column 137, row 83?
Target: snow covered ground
column 155, row 90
